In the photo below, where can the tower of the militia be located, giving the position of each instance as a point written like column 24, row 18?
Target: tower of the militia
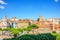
column 40, row 18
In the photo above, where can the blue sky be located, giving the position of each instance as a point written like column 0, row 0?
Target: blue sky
column 30, row 9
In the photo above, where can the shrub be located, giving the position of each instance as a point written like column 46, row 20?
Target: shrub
column 54, row 32
column 46, row 36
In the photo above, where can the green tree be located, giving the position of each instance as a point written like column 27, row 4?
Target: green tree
column 6, row 29
column 33, row 26
column 27, row 29
column 14, row 31
column 19, row 29
column 0, row 28
column 46, row 36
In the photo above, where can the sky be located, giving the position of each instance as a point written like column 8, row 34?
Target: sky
column 30, row 9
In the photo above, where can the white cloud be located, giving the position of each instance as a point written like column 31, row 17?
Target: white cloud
column 2, row 2
column 2, row 7
column 56, row 0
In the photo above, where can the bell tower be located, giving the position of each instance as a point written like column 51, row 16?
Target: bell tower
column 40, row 19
